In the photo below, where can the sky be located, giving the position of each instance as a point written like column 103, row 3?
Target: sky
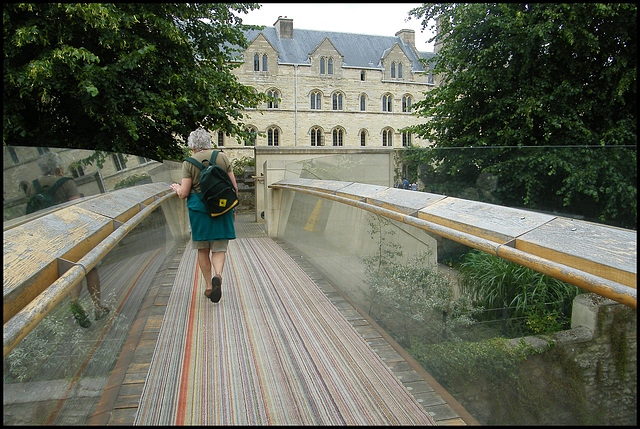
column 381, row 19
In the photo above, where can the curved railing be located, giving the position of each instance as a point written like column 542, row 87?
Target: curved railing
column 45, row 258
column 597, row 258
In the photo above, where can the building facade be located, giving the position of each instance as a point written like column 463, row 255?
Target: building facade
column 333, row 89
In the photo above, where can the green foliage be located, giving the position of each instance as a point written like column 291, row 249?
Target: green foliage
column 409, row 298
column 467, row 363
column 541, row 95
column 239, row 164
column 542, row 302
column 122, row 77
column 132, row 180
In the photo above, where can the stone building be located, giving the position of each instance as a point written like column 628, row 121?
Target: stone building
column 334, row 89
column 338, row 93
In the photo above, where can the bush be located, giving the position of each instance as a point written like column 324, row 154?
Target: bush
column 536, row 303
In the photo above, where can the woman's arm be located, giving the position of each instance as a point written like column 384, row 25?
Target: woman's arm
column 183, row 189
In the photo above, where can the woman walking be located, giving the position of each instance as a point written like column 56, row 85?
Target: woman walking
column 210, row 235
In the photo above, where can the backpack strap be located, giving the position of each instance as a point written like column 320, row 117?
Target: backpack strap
column 61, row 181
column 36, row 186
column 214, row 155
column 193, row 161
column 198, row 164
column 52, row 189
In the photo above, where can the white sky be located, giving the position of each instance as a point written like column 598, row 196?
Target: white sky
column 382, row 19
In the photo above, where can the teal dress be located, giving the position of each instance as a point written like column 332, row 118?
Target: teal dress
column 207, row 228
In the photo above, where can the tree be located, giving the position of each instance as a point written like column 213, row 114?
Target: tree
column 122, row 77
column 542, row 96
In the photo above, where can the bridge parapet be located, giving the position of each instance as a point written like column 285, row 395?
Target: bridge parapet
column 595, row 257
column 57, row 248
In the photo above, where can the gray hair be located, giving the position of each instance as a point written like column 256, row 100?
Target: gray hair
column 50, row 163
column 199, row 139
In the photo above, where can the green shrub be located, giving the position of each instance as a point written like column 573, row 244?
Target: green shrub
column 536, row 302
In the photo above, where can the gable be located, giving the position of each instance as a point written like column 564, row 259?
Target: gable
column 326, row 47
column 261, row 44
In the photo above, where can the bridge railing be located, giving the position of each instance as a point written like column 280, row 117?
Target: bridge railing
column 598, row 258
column 389, row 252
column 49, row 359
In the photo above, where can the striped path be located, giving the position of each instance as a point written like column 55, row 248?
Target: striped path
column 273, row 351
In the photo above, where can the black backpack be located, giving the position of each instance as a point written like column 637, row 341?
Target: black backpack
column 44, row 198
column 217, row 192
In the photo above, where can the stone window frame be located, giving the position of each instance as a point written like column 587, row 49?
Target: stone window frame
column 337, row 99
column 260, row 62
column 407, row 102
column 387, row 102
column 387, row 137
column 326, row 69
column 272, row 104
column 338, row 134
column 363, row 102
column 273, row 135
column 396, row 65
column 406, row 139
column 253, row 130
column 315, row 99
column 316, row 133
column 220, row 138
column 363, row 137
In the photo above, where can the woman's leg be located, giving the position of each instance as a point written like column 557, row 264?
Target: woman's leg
column 218, row 259
column 205, row 266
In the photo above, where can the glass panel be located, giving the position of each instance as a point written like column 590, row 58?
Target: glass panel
column 522, row 363
column 57, row 374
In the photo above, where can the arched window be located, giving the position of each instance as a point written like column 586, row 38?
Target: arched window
column 363, row 75
column 253, row 131
column 338, row 135
column 322, row 65
column 316, row 136
column 387, row 137
column 273, row 136
column 273, row 104
column 316, row 100
column 406, row 139
column 256, row 62
column 406, row 103
column 399, row 70
column 386, row 103
column 363, row 103
column 264, row 62
column 330, row 66
column 363, row 138
column 337, row 101
column 119, row 161
column 220, row 138
column 393, row 70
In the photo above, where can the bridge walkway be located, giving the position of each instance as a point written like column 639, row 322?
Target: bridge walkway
column 282, row 347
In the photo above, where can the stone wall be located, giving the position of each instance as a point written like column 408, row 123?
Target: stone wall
column 586, row 375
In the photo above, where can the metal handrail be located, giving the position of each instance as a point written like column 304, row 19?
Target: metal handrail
column 615, row 291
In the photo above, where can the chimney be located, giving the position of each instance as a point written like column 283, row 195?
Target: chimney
column 284, row 27
column 407, row 36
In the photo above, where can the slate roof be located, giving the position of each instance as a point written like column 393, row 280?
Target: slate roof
column 359, row 50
